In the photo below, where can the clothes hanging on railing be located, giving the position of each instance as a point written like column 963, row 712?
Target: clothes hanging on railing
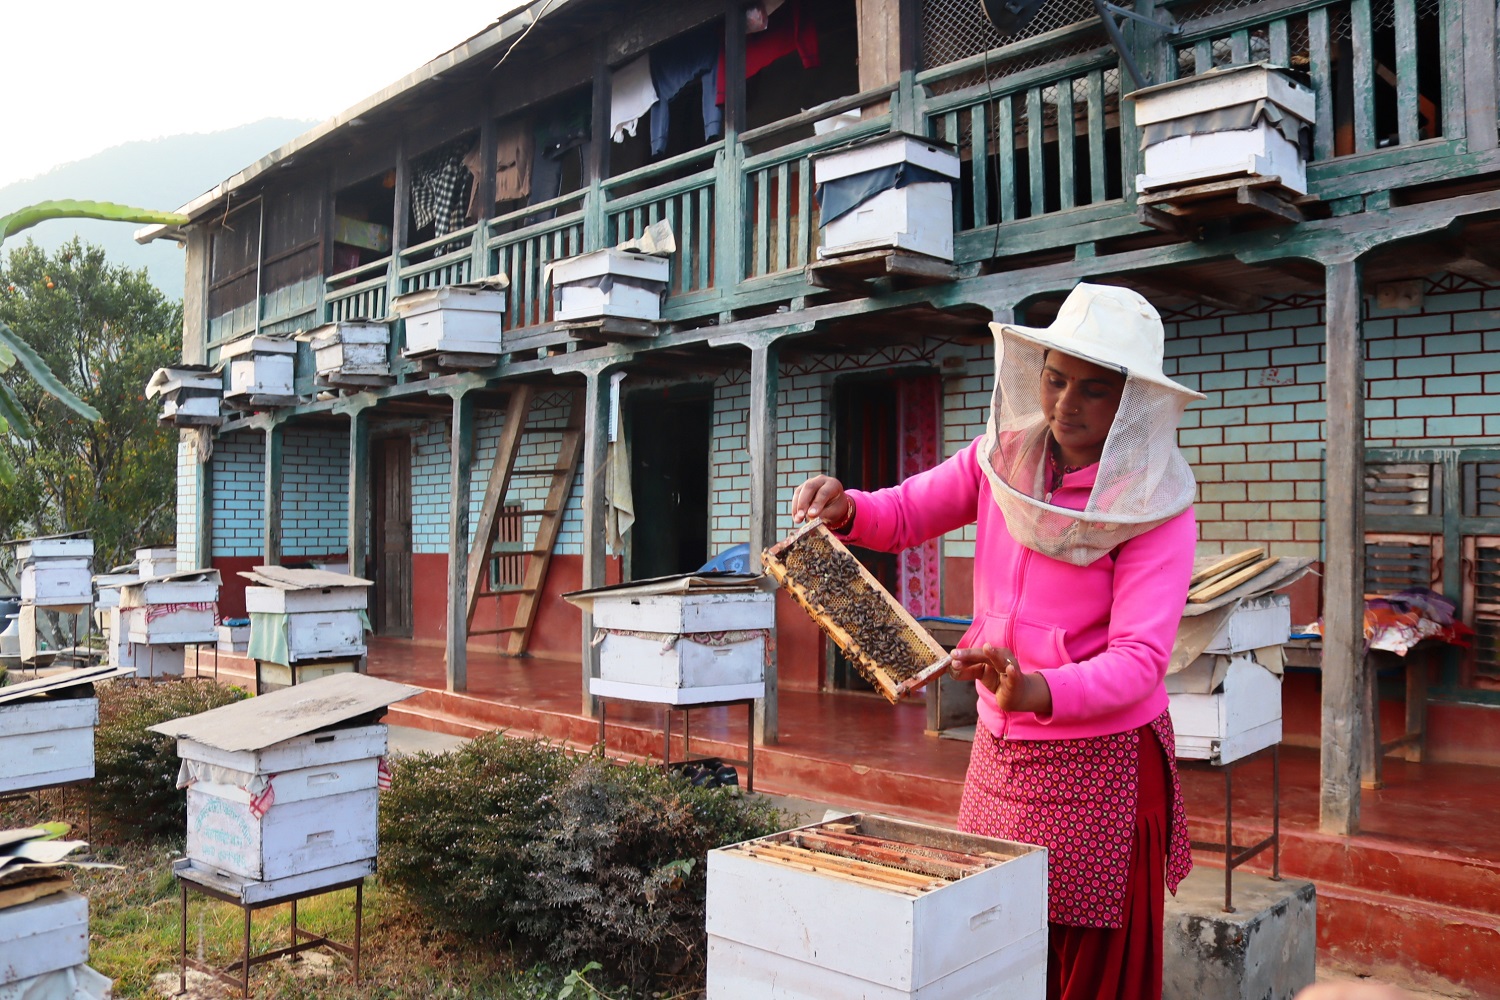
column 558, row 134
column 790, row 31
column 631, row 95
column 515, row 145
column 676, row 64
column 440, row 189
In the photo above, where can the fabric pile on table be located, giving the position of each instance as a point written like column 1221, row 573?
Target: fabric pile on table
column 1397, row 622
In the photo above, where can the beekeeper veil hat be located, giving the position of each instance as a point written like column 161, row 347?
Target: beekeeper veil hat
column 1142, row 480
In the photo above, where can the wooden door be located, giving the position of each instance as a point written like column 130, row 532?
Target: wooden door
column 391, row 537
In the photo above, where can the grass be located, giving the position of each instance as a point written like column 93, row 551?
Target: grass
column 135, row 914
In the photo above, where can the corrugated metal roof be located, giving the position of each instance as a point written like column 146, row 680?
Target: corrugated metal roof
column 263, row 721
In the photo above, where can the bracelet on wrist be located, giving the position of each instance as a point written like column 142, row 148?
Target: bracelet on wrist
column 848, row 519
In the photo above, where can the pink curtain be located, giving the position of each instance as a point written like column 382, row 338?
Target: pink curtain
column 919, row 408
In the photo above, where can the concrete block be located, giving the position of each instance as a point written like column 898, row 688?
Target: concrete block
column 1265, row 950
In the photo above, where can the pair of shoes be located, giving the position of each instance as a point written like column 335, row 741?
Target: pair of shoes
column 709, row 773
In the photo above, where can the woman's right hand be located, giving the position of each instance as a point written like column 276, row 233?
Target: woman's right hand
column 820, row 496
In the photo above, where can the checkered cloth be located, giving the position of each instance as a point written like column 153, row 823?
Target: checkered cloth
column 440, row 190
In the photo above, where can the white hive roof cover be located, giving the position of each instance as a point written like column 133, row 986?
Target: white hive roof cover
column 301, row 579
column 256, row 723
column 60, row 682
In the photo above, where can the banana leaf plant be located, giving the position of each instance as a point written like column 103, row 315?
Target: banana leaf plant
column 13, row 348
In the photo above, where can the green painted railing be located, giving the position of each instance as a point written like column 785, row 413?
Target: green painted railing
column 685, row 203
column 447, row 260
column 359, row 293
column 526, row 243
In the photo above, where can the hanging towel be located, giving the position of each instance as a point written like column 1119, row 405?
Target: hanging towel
column 790, row 31
column 631, row 95
column 619, row 512
column 676, row 64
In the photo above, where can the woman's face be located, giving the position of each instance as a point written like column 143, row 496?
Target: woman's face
column 1079, row 400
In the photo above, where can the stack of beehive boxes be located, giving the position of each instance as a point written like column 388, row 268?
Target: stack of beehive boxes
column 45, row 949
column 282, row 788
column 166, row 615
column 1226, row 703
column 56, row 574
column 190, row 395
column 305, row 623
column 456, row 326
column 261, row 372
column 352, row 354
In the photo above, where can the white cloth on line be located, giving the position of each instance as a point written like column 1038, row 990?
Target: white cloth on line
column 631, row 95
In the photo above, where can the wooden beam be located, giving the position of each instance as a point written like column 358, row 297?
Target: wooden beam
column 1344, row 554
column 764, row 500
column 595, row 450
column 359, row 488
column 400, row 224
column 461, row 465
column 1479, row 75
column 271, row 513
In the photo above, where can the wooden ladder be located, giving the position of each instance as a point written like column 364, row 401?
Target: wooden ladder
column 540, row 549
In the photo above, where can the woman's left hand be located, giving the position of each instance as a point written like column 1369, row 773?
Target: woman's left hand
column 1015, row 690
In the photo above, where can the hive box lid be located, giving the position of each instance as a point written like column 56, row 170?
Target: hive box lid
column 258, row 345
column 282, row 578
column 684, row 583
column 1226, row 87
column 268, row 719
column 184, row 576
column 611, row 261
column 60, row 682
column 885, row 151
column 357, row 331
column 486, row 296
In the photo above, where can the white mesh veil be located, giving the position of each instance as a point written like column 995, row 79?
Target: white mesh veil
column 1142, row 480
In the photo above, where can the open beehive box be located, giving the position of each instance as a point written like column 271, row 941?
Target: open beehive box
column 866, row 906
column 884, row 642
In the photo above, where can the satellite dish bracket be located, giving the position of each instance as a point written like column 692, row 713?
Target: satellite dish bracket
column 1107, row 12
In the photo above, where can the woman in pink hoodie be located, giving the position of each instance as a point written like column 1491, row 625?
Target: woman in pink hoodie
column 1084, row 549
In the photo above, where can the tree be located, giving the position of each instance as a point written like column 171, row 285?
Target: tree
column 101, row 331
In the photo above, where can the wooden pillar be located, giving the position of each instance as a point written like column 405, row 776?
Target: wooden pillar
column 878, row 26
column 461, row 465
column 1343, row 547
column 595, row 453
column 400, row 225
column 909, row 52
column 359, row 486
column 1479, row 75
column 729, row 193
column 596, row 167
column 764, row 499
column 271, row 519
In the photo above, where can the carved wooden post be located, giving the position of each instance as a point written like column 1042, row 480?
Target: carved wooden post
column 359, row 479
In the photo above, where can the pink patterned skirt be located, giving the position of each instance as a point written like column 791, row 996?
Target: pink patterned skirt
column 1077, row 798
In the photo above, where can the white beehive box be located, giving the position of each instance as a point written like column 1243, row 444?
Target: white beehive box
column 316, row 635
column 189, row 587
column 279, row 675
column 107, row 587
column 688, row 670
column 1254, row 624
column 314, row 600
column 322, row 770
column 234, row 638
column 453, row 319
column 609, row 283
column 184, row 626
column 156, row 660
column 176, row 609
column 1259, row 151
column 57, row 582
column 42, row 936
column 323, row 814
column 55, row 547
column 46, row 741
column 778, row 930
column 352, row 352
column 1242, row 715
column 261, row 370
column 189, row 396
column 156, row 561
column 917, row 217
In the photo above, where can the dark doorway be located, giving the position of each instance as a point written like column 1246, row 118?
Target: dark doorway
column 390, row 531
column 865, row 457
column 669, row 445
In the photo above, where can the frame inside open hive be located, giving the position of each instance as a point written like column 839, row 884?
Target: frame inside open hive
column 883, row 641
column 864, row 853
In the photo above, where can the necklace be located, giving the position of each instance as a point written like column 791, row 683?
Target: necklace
column 1056, row 470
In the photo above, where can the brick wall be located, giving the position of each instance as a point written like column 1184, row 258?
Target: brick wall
column 314, row 495
column 1256, row 442
column 188, row 471
column 238, row 487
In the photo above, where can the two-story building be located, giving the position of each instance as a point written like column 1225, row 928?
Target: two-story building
column 1343, row 340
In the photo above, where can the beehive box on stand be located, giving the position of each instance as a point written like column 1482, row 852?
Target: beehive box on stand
column 108, row 587
column 47, row 729
column 1225, row 705
column 609, row 283
column 1239, row 121
column 43, row 936
column 305, row 614
column 352, row 353
column 284, row 785
column 900, row 196
column 261, row 371
column 117, row 632
column 879, row 909
column 686, row 646
column 190, row 395
column 234, row 638
column 453, row 319
column 176, row 609
column 58, row 582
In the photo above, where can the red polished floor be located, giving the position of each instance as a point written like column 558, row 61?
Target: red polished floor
column 1419, row 887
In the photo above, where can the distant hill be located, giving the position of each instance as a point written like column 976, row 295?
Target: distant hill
column 160, row 173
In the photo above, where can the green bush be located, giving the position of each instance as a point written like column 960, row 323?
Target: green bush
column 568, row 859
column 134, row 790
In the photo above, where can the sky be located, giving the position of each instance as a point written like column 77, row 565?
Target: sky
column 79, row 76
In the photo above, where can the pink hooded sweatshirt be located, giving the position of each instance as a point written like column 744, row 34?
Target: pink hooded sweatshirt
column 1101, row 634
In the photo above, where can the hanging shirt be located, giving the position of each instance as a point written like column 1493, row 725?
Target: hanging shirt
column 440, row 189
column 676, row 64
column 631, row 95
column 514, row 147
column 790, row 31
